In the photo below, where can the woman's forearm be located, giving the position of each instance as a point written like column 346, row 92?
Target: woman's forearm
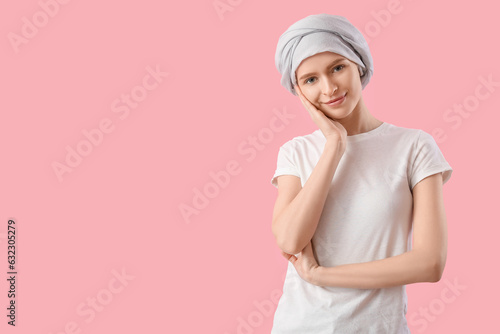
column 296, row 225
column 407, row 268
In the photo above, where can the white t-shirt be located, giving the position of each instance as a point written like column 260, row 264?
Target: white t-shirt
column 367, row 216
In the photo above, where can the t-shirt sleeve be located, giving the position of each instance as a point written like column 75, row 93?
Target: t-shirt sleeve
column 285, row 164
column 428, row 160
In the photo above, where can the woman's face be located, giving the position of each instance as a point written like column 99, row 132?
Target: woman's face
column 319, row 75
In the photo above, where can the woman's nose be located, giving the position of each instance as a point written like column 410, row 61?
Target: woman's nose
column 329, row 87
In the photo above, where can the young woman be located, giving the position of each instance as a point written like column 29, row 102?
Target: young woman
column 351, row 193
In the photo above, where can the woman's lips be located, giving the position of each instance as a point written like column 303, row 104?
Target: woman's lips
column 337, row 101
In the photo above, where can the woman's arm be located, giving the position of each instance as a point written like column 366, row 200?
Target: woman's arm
column 407, row 268
column 424, row 263
column 296, row 215
column 295, row 219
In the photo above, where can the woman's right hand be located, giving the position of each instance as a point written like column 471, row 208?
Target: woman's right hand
column 332, row 130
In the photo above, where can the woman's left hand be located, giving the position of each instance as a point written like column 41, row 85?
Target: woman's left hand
column 306, row 265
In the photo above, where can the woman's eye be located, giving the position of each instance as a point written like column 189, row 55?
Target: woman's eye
column 307, row 81
column 340, row 68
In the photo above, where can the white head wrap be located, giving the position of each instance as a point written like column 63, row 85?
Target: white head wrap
column 319, row 33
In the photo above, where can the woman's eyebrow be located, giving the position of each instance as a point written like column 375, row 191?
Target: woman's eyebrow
column 333, row 63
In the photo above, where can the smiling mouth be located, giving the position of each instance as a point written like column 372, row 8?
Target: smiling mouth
column 335, row 99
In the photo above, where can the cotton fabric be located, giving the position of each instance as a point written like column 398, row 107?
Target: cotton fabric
column 319, row 33
column 367, row 216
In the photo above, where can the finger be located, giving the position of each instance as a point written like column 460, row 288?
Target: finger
column 289, row 257
column 302, row 97
column 306, row 103
column 286, row 255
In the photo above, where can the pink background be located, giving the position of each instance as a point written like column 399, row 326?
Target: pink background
column 119, row 209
